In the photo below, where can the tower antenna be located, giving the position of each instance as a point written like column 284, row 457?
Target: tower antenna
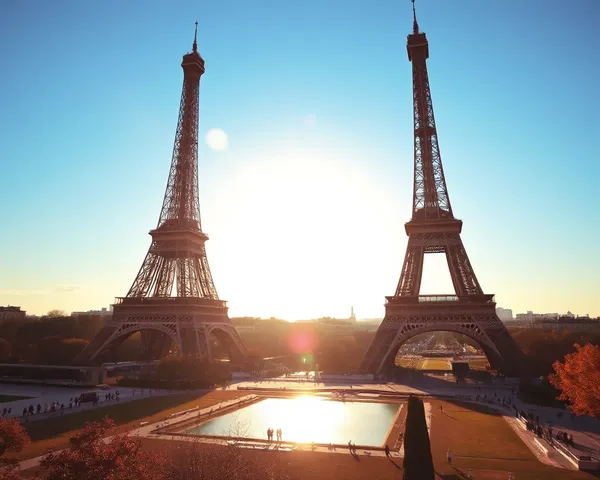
column 195, row 45
column 415, row 24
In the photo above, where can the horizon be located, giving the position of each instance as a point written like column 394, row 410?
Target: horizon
column 302, row 163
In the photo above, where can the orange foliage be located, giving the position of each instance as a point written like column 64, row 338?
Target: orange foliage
column 578, row 379
column 91, row 458
column 13, row 436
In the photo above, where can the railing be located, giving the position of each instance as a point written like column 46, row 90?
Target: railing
column 476, row 299
column 170, row 300
column 438, row 298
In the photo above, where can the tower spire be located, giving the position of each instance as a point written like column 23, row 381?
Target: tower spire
column 415, row 24
column 195, row 45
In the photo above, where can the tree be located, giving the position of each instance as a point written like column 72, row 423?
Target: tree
column 89, row 457
column 58, row 351
column 56, row 313
column 578, row 379
column 13, row 438
column 5, row 349
column 418, row 463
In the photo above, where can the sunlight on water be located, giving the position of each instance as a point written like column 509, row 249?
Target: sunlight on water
column 307, row 419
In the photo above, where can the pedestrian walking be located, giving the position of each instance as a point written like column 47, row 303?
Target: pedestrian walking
column 449, row 456
column 387, row 450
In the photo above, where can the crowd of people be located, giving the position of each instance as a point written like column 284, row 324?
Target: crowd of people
column 60, row 406
column 533, row 424
column 47, row 408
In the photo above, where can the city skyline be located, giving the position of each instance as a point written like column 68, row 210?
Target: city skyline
column 318, row 171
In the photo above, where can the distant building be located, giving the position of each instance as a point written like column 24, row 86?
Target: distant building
column 504, row 314
column 11, row 313
column 105, row 312
column 569, row 323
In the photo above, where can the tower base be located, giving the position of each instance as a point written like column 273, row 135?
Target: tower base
column 473, row 316
column 167, row 323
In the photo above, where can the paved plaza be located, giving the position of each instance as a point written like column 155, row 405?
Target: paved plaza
column 585, row 431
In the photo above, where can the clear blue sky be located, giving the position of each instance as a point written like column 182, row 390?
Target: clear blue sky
column 305, row 208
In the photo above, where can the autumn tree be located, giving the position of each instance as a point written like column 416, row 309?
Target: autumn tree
column 89, row 457
column 578, row 379
column 13, row 438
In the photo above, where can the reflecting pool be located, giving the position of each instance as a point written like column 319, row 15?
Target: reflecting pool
column 306, row 419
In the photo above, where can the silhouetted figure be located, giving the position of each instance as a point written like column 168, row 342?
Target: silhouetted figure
column 387, row 450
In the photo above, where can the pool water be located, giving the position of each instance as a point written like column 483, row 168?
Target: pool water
column 306, row 419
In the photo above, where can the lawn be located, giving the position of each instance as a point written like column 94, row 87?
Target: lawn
column 479, row 364
column 436, row 364
column 54, row 433
column 440, row 364
column 11, row 398
column 482, row 440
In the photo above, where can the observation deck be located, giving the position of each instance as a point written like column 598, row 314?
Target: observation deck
column 450, row 299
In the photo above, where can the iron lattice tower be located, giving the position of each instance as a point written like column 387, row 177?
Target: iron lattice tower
column 434, row 229
column 173, row 300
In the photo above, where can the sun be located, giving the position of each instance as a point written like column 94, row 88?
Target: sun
column 302, row 218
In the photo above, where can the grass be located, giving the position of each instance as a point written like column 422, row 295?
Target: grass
column 480, row 432
column 440, row 364
column 54, row 433
column 482, row 440
column 478, row 364
column 436, row 364
column 11, row 398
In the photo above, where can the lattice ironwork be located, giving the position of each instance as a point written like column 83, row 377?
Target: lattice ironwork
column 175, row 270
column 433, row 229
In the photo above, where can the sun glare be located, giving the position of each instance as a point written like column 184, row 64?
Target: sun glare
column 306, row 217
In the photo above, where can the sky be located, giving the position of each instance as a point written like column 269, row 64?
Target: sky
column 306, row 181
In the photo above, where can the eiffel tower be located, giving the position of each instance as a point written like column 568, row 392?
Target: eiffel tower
column 434, row 229
column 173, row 301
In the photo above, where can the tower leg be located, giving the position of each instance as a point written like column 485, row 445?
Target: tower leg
column 412, row 269
column 483, row 327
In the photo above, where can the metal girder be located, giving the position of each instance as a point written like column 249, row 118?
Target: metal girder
column 433, row 229
column 430, row 195
column 175, row 270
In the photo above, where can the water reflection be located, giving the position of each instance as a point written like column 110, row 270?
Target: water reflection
column 307, row 419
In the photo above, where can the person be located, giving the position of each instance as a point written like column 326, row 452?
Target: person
column 387, row 450
column 470, row 474
column 449, row 456
column 441, row 408
column 511, row 476
column 350, row 445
